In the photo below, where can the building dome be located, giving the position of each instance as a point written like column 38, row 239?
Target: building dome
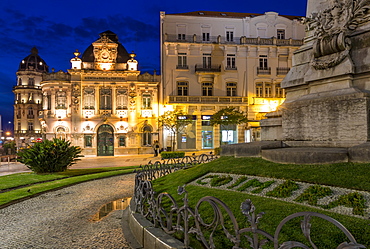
column 33, row 62
column 122, row 55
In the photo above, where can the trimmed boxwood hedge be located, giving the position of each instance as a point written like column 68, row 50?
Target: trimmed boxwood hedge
column 172, row 154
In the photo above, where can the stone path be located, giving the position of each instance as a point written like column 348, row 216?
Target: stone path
column 62, row 219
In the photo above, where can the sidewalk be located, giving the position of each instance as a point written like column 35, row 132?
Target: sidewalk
column 95, row 162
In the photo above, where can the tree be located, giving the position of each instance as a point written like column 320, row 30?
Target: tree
column 175, row 122
column 227, row 117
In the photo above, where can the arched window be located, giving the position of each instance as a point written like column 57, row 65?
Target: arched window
column 61, row 133
column 146, row 135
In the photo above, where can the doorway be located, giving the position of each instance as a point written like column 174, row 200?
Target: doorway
column 105, row 140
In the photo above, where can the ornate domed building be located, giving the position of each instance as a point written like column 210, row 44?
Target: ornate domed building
column 28, row 98
column 102, row 104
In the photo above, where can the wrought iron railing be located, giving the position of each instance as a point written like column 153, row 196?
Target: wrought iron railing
column 172, row 217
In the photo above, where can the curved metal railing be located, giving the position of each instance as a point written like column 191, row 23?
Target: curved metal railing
column 165, row 212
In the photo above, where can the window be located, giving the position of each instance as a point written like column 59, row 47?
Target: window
column 19, row 82
column 30, row 112
column 230, row 36
column 279, row 92
column 263, row 61
column 182, row 88
column 30, row 126
column 105, row 98
column 121, row 99
column 207, row 89
column 230, row 61
column 61, row 100
column 231, row 89
column 268, row 90
column 89, row 98
column 88, row 141
column 207, row 60
column 146, row 101
column 182, row 61
column 122, row 141
column 31, row 81
column 280, row 33
column 181, row 32
column 259, row 88
column 205, row 36
column 181, row 37
column 19, row 126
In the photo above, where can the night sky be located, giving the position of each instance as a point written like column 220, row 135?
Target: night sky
column 58, row 27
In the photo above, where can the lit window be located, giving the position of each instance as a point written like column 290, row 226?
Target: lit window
column 105, row 99
column 259, row 88
column 146, row 101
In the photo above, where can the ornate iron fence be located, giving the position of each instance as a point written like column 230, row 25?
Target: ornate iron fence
column 165, row 212
column 152, row 171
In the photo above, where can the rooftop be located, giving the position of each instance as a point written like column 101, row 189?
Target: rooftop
column 228, row 14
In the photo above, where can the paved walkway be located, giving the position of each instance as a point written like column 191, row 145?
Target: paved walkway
column 93, row 162
column 63, row 219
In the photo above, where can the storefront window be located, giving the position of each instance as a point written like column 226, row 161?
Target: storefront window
column 229, row 134
column 186, row 138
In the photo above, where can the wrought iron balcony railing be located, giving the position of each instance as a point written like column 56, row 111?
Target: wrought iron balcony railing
column 182, row 67
column 282, row 70
column 236, row 40
column 207, row 68
column 264, row 70
column 207, row 99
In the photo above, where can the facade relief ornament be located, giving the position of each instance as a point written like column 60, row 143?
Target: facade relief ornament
column 332, row 28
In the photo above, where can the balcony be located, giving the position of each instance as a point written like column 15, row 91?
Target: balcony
column 184, row 67
column 263, row 70
column 227, row 68
column 236, row 40
column 282, row 70
column 207, row 99
column 200, row 68
column 30, row 116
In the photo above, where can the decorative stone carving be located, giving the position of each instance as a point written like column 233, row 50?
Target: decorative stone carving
column 332, row 28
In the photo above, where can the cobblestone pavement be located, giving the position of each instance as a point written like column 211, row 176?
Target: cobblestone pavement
column 62, row 219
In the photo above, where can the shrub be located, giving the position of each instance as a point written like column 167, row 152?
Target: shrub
column 217, row 151
column 172, row 154
column 284, row 190
column 50, row 156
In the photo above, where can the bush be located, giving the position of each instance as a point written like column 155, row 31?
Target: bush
column 217, row 151
column 50, row 156
column 172, row 154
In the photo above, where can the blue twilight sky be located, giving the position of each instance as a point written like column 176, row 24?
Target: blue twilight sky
column 59, row 27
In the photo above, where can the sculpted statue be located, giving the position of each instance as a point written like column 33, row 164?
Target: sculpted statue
column 332, row 28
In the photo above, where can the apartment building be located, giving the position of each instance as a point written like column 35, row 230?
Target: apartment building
column 212, row 60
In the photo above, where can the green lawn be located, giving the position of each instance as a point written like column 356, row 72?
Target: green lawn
column 347, row 175
column 19, row 186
